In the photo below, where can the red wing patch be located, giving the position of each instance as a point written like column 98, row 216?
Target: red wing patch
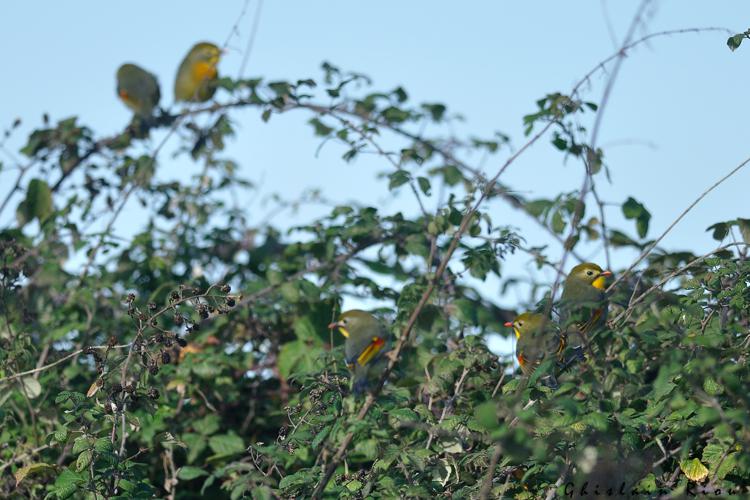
column 376, row 344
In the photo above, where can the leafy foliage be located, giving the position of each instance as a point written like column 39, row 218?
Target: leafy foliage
column 193, row 359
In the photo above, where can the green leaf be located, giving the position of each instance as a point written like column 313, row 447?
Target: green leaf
column 744, row 225
column 632, row 209
column 558, row 223
column 37, row 204
column 403, row 415
column 368, row 448
column 81, row 443
column 321, row 129
column 424, row 185
column 298, row 356
column 207, row 425
column 67, row 483
column 437, row 111
column 398, row 178
column 61, row 435
column 290, row 292
column 694, row 469
column 84, row 459
column 226, row 444
column 720, row 230
column 486, row 415
column 297, row 479
column 734, row 41
column 188, row 472
column 711, row 386
column 538, row 207
column 103, row 445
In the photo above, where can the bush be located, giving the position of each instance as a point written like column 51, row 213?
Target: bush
column 193, row 359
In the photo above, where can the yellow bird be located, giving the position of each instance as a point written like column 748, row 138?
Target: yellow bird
column 138, row 89
column 367, row 340
column 537, row 339
column 583, row 300
column 197, row 75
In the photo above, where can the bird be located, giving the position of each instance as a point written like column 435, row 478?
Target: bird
column 138, row 89
column 197, row 74
column 367, row 341
column 537, row 338
column 583, row 301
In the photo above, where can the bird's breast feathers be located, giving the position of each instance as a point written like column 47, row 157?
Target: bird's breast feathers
column 203, row 71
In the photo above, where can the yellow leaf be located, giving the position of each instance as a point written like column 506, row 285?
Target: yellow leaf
column 694, row 469
column 98, row 383
column 31, row 387
column 31, row 469
column 578, row 427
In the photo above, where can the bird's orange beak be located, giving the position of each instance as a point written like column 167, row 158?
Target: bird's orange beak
column 606, row 273
column 335, row 324
column 509, row 324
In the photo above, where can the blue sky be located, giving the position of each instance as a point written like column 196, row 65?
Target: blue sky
column 677, row 118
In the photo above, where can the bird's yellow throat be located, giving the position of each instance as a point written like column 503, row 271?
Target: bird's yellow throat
column 599, row 282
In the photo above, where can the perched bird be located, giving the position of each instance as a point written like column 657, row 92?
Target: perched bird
column 197, row 74
column 367, row 340
column 583, row 301
column 537, row 338
column 138, row 89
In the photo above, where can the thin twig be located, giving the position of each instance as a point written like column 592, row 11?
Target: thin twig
column 251, row 39
column 21, row 458
column 487, row 483
column 591, row 151
column 651, row 247
column 61, row 360
column 671, row 275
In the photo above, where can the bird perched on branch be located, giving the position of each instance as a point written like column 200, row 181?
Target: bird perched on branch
column 538, row 338
column 138, row 89
column 583, row 296
column 197, row 75
column 583, row 305
column 367, row 341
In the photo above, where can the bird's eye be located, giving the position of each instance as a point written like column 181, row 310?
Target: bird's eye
column 520, row 323
column 590, row 272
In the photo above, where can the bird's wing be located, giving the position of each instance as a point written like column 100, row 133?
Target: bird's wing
column 589, row 325
column 369, row 352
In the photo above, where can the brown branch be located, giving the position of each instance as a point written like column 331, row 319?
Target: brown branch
column 61, row 360
column 487, row 483
column 21, row 458
column 21, row 173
